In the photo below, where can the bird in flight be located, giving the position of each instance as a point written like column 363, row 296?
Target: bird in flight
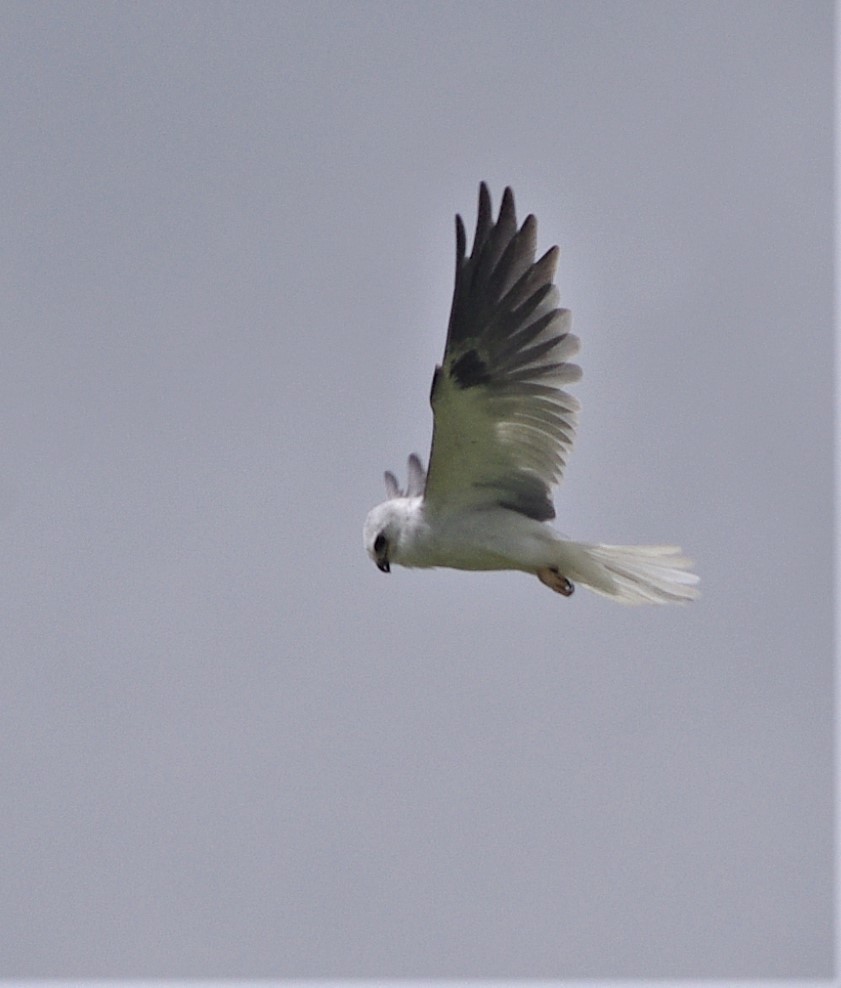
column 504, row 425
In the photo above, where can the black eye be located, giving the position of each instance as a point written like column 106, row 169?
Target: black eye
column 379, row 543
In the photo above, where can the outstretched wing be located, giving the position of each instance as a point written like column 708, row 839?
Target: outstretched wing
column 503, row 423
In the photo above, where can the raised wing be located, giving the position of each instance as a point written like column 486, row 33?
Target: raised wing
column 503, row 424
column 416, row 482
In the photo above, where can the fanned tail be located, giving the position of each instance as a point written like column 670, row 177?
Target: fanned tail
column 631, row 574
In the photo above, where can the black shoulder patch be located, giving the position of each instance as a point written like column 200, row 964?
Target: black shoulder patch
column 538, row 509
column 470, row 370
column 525, row 493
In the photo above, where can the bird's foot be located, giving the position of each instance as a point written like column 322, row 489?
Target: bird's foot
column 553, row 579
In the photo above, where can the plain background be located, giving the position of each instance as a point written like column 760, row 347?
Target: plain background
column 231, row 747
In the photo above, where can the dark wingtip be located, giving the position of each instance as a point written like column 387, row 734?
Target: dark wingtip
column 484, row 216
column 550, row 259
column 461, row 239
column 507, row 206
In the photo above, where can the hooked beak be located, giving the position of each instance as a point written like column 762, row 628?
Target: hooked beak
column 383, row 566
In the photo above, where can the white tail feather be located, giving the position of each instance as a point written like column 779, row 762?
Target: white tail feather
column 631, row 574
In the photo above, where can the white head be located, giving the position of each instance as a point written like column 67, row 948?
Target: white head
column 389, row 521
column 382, row 531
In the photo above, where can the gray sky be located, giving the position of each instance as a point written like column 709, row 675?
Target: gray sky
column 233, row 748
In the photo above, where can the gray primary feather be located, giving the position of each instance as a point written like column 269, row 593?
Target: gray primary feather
column 392, row 488
column 503, row 424
column 417, row 476
column 416, row 480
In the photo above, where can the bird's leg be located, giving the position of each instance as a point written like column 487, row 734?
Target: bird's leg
column 553, row 579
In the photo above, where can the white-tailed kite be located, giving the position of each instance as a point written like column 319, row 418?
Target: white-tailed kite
column 503, row 429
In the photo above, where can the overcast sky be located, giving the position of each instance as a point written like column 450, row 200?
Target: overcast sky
column 233, row 748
